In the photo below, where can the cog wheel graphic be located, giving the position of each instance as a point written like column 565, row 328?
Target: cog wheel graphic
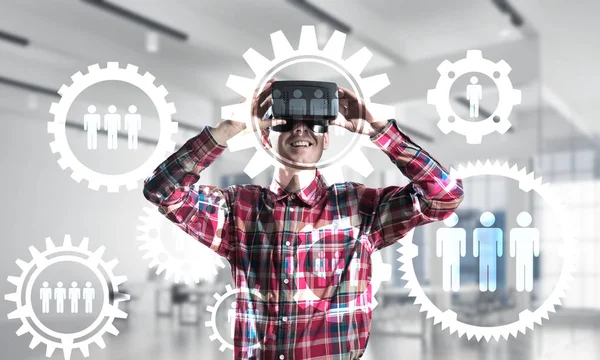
column 94, row 76
column 527, row 318
column 23, row 297
column 507, row 97
column 307, row 51
column 229, row 291
column 366, row 301
column 198, row 263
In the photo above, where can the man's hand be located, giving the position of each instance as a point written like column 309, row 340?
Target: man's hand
column 355, row 116
column 259, row 105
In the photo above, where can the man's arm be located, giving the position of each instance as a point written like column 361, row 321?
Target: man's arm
column 432, row 194
column 197, row 209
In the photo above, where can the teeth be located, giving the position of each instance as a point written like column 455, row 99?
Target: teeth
column 300, row 143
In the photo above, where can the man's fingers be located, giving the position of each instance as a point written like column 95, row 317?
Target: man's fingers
column 270, row 123
column 346, row 94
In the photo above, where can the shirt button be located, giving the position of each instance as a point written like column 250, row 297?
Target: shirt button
column 287, row 243
column 281, row 357
column 291, row 209
column 292, row 197
column 284, row 319
column 286, row 281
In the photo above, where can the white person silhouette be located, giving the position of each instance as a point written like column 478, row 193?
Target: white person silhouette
column 60, row 295
column 89, row 294
column 45, row 296
column 524, row 245
column 133, row 124
column 112, row 124
column 451, row 245
column 74, row 296
column 92, row 123
column 474, row 94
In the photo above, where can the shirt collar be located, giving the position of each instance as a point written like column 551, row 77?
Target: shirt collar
column 310, row 194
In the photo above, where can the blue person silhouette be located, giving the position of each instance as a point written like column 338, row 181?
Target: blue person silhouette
column 451, row 245
column 524, row 245
column 487, row 245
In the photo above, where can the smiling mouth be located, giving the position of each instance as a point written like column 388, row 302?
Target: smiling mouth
column 301, row 144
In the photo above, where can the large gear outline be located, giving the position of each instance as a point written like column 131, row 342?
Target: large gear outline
column 81, row 82
column 474, row 130
column 25, row 312
column 527, row 319
column 380, row 272
column 212, row 323
column 285, row 56
column 177, row 269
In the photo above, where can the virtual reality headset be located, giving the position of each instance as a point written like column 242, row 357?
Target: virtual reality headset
column 313, row 102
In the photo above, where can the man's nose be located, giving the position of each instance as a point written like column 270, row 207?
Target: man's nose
column 299, row 126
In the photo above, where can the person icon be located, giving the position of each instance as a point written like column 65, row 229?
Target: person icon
column 354, row 270
column 74, row 296
column 524, row 245
column 92, row 123
column 474, row 94
column 320, row 269
column 318, row 105
column 487, row 245
column 337, row 263
column 45, row 296
column 133, row 124
column 451, row 245
column 231, row 318
column 297, row 104
column 278, row 102
column 112, row 124
column 60, row 295
column 89, row 294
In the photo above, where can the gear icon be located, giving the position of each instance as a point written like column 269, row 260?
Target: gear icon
column 527, row 318
column 80, row 83
column 23, row 297
column 366, row 301
column 199, row 262
column 229, row 291
column 308, row 51
column 507, row 97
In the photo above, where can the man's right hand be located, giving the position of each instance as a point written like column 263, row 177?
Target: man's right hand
column 261, row 102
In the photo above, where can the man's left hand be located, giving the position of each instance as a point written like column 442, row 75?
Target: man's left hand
column 354, row 115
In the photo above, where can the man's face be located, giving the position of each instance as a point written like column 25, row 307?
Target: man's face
column 301, row 145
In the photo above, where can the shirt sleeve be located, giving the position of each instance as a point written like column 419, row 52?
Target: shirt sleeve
column 203, row 211
column 431, row 195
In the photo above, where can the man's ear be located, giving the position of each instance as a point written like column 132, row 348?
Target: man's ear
column 325, row 140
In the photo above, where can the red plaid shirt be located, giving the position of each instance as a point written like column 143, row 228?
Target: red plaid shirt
column 303, row 259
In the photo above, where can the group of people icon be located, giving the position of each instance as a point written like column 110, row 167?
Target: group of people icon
column 322, row 265
column 60, row 294
column 92, row 123
column 298, row 105
column 488, row 245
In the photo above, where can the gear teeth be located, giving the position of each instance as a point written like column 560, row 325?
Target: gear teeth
column 25, row 311
column 474, row 131
column 95, row 75
column 527, row 318
column 283, row 51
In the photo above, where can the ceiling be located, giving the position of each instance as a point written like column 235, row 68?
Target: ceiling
column 408, row 39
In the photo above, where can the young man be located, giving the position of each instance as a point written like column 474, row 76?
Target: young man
column 282, row 241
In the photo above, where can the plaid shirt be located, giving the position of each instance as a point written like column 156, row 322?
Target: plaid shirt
column 302, row 260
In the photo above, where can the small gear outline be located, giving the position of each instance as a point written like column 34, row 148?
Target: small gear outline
column 286, row 55
column 508, row 97
column 212, row 323
column 527, row 319
column 381, row 272
column 40, row 261
column 187, row 270
column 112, row 72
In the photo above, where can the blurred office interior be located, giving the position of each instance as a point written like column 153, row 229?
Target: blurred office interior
column 192, row 47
